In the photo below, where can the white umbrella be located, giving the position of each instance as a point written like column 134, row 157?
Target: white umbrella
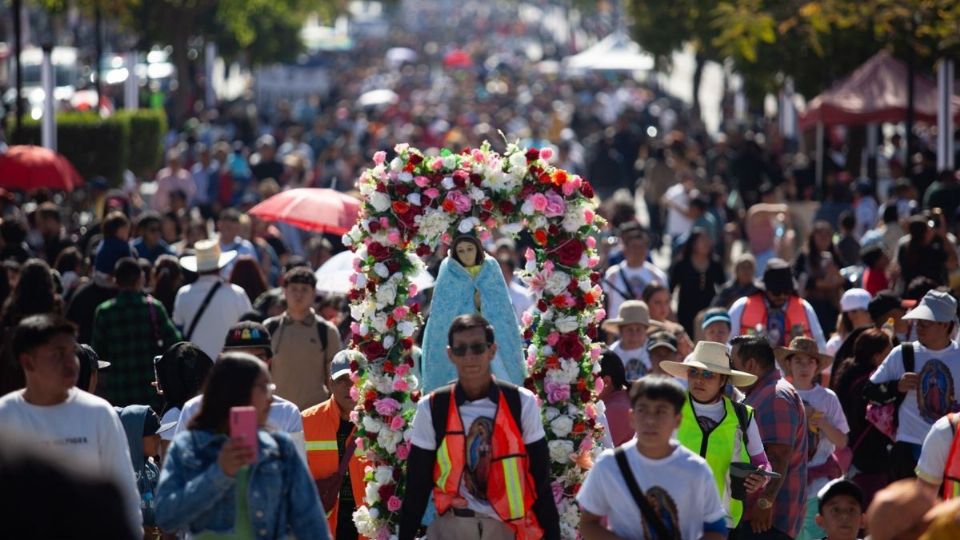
column 334, row 275
column 374, row 98
column 399, row 55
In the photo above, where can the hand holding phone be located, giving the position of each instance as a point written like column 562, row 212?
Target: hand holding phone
column 243, row 430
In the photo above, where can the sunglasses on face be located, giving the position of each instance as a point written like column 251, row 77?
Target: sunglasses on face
column 694, row 373
column 472, row 348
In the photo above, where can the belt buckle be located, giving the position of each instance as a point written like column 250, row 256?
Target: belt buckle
column 464, row 512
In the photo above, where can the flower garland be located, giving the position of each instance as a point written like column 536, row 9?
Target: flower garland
column 410, row 205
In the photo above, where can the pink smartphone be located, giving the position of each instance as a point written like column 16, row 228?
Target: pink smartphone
column 243, row 425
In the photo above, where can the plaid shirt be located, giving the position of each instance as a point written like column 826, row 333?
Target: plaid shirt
column 128, row 332
column 781, row 419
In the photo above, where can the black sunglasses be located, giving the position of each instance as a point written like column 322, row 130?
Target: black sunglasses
column 474, row 348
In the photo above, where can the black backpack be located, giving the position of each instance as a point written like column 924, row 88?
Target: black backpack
column 440, row 406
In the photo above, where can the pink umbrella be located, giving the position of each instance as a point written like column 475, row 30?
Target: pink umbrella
column 457, row 59
column 313, row 209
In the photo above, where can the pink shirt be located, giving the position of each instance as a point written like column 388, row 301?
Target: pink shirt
column 618, row 416
column 168, row 182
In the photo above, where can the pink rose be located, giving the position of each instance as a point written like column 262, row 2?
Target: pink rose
column 593, row 261
column 354, row 327
column 386, row 406
column 477, row 155
column 393, row 504
column 401, row 385
column 360, row 444
column 354, row 393
column 412, row 290
column 571, row 186
column 400, row 312
column 421, row 181
column 598, row 386
column 485, row 234
column 402, row 370
column 384, row 533
column 433, row 192
column 591, row 410
column 586, row 445
column 588, row 216
column 379, row 157
column 526, row 318
column 384, row 223
column 557, row 392
column 397, row 423
column 393, row 236
column 355, row 416
column 436, row 164
column 461, row 202
column 595, row 354
column 552, row 339
column 529, row 255
column 403, row 450
column 548, row 267
column 591, row 242
column 539, row 202
column 601, row 315
column 546, row 153
column 557, row 488
column 555, row 205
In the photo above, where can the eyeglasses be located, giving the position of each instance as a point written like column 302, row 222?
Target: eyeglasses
column 694, row 373
column 473, row 348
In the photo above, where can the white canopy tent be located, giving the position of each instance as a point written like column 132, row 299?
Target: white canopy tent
column 616, row 52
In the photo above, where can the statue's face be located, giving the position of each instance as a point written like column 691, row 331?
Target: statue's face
column 466, row 253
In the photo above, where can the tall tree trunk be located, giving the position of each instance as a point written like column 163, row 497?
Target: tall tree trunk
column 701, row 60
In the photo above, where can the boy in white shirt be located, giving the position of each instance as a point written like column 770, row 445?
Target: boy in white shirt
column 631, row 325
column 677, row 485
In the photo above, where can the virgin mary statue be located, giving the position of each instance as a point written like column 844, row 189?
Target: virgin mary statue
column 470, row 281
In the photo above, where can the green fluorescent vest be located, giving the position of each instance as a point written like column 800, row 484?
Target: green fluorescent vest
column 720, row 447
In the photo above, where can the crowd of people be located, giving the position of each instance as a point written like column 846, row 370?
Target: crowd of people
column 769, row 372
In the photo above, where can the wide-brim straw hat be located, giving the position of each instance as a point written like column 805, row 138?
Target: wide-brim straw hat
column 710, row 356
column 207, row 257
column 631, row 312
column 802, row 345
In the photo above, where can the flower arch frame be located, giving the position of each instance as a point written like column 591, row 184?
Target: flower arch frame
column 410, row 205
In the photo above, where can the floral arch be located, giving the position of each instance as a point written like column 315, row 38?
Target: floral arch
column 410, row 205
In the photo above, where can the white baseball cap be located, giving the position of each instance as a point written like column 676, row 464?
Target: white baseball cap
column 854, row 299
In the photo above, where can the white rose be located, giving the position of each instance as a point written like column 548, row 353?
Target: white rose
column 527, row 208
column 468, row 224
column 573, row 219
column 405, row 177
column 560, row 451
column 585, row 285
column 550, row 413
column 477, row 194
column 386, row 294
column 385, row 385
column 379, row 201
column 389, row 440
column 406, row 328
column 381, row 270
column 383, row 474
column 396, row 164
column 388, row 341
column 568, row 323
column 414, row 199
column 356, row 312
column 364, row 522
column 372, row 425
column 379, row 322
column 511, row 229
column 361, row 281
column 447, row 183
column 518, row 161
column 557, row 283
column 363, row 330
column 372, row 493
column 561, row 425
column 449, row 162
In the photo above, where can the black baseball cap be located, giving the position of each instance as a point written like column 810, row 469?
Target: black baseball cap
column 661, row 338
column 836, row 488
column 248, row 335
column 884, row 302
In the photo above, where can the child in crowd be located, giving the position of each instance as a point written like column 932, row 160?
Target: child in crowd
column 826, row 424
column 840, row 510
column 142, row 426
column 631, row 324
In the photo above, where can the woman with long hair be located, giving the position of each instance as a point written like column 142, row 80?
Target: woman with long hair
column 818, row 271
column 247, row 274
column 871, row 459
column 698, row 274
column 34, row 294
column 167, row 277
column 215, row 484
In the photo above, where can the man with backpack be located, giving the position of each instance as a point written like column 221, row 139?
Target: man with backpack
column 479, row 446
column 303, row 342
column 926, row 374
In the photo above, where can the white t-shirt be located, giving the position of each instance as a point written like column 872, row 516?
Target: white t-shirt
column 936, row 395
column 86, row 430
column 678, row 224
column 819, row 446
column 638, row 278
column 224, row 310
column 477, row 417
column 636, row 362
column 936, row 450
column 714, row 412
column 283, row 416
column 680, row 486
column 520, row 297
column 833, row 344
column 172, row 415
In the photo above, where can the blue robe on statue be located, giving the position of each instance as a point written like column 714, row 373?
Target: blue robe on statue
column 453, row 295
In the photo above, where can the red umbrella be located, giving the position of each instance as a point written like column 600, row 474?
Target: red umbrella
column 27, row 167
column 313, row 209
column 457, row 58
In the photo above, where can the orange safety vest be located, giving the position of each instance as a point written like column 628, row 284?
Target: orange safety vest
column 951, row 473
column 510, row 487
column 320, row 425
column 755, row 313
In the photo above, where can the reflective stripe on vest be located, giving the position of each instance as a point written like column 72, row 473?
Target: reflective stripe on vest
column 313, row 446
column 719, row 447
column 755, row 313
column 951, row 472
column 512, row 475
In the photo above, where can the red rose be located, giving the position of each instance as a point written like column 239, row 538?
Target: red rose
column 592, row 332
column 506, row 207
column 424, row 250
column 542, row 305
column 354, row 365
column 487, row 204
column 388, row 367
column 544, row 178
column 570, row 346
column 460, row 178
column 393, row 266
column 406, row 343
column 415, row 308
column 586, row 189
column 533, row 154
column 386, row 491
column 540, row 237
column 382, row 188
column 573, row 286
column 585, row 396
column 401, row 189
column 595, row 277
column 416, row 159
column 528, row 334
column 401, row 207
column 378, row 251
column 579, row 427
column 373, row 350
column 570, row 252
column 476, row 179
column 370, row 395
column 368, row 405
column 553, row 230
column 374, row 226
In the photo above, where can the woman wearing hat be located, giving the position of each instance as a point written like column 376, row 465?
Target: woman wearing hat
column 719, row 429
column 854, row 313
column 826, row 424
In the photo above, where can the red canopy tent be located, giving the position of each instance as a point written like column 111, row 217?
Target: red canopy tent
column 875, row 92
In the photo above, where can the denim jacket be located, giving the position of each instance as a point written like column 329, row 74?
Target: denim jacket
column 194, row 494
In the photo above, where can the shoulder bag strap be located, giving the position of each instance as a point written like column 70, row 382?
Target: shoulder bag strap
column 623, row 278
column 649, row 515
column 743, row 418
column 909, row 357
column 439, row 408
column 202, row 310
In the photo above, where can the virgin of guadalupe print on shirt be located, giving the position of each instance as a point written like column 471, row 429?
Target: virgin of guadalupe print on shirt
column 665, row 507
column 935, row 393
column 478, row 448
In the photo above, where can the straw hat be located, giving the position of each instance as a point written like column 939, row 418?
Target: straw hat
column 712, row 357
column 802, row 345
column 208, row 257
column 631, row 312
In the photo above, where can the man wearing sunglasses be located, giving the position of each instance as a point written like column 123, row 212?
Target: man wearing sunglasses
column 777, row 312
column 480, row 448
